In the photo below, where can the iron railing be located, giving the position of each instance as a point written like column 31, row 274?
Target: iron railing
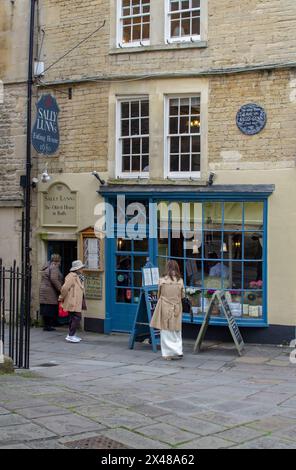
column 15, row 317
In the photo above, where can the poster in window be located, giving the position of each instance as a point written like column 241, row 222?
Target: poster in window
column 92, row 253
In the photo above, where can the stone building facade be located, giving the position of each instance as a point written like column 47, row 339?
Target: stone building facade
column 240, row 53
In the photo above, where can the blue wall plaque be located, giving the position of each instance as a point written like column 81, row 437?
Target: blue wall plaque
column 251, row 119
column 45, row 133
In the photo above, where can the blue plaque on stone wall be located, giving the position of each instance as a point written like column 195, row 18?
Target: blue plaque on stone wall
column 251, row 119
column 45, row 133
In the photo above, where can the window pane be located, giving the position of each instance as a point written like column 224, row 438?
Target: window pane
column 253, row 245
column 184, row 125
column 195, row 162
column 174, row 163
column 126, row 147
column 146, row 31
column 185, row 28
column 124, row 110
column 144, row 108
column 141, row 245
column 213, row 215
column 136, row 146
column 135, row 127
column 175, row 144
column 123, row 245
column 125, row 127
column 138, row 279
column 136, row 32
column 145, row 163
column 124, row 296
column 195, row 144
column 145, row 145
column 135, row 108
column 253, row 214
column 124, row 262
column 136, row 164
column 253, row 275
column 174, row 107
column 212, row 245
column 185, row 144
column 174, row 5
column 233, row 215
column 185, row 163
column 195, row 26
column 144, row 126
column 139, row 262
column 252, row 304
column 184, row 106
column 232, row 245
column 173, row 125
column 126, row 163
column 127, row 34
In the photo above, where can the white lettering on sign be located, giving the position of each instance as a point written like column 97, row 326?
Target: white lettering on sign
column 47, row 120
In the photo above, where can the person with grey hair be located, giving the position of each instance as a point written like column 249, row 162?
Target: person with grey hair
column 73, row 299
column 50, row 287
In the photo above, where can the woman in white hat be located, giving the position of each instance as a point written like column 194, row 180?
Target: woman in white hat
column 73, row 300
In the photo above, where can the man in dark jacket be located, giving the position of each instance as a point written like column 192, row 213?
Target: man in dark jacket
column 50, row 287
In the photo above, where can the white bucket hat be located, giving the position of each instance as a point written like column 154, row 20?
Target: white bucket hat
column 77, row 265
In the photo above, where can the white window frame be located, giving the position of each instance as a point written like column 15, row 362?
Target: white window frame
column 120, row 18
column 118, row 148
column 169, row 38
column 180, row 174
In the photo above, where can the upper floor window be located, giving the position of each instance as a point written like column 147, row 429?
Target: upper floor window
column 134, row 22
column 183, row 20
column 133, row 141
column 183, row 137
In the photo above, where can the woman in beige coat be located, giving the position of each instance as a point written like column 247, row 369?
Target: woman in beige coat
column 167, row 316
column 72, row 298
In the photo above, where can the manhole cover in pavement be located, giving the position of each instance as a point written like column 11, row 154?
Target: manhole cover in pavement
column 98, row 442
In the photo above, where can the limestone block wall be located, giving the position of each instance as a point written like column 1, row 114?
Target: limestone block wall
column 236, row 33
column 12, row 141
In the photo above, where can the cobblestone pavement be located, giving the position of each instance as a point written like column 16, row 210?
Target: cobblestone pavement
column 99, row 387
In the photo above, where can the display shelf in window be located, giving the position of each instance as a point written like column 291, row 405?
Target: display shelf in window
column 91, row 249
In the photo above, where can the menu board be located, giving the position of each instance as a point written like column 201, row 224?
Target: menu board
column 220, row 297
column 150, row 276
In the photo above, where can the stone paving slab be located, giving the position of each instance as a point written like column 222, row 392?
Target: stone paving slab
column 240, row 434
column 23, row 433
column 165, row 433
column 209, row 442
column 273, row 423
column 267, row 443
column 41, row 411
column 68, row 424
column 12, row 420
column 134, row 440
column 193, row 425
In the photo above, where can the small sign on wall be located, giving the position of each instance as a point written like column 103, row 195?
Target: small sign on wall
column 251, row 119
column 59, row 206
column 93, row 286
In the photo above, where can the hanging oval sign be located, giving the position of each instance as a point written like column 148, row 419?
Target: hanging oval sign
column 45, row 133
column 251, row 119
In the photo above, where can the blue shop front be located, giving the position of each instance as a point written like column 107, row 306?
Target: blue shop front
column 217, row 234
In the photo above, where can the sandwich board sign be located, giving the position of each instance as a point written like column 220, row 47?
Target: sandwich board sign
column 220, row 297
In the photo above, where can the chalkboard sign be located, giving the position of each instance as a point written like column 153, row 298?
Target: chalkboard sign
column 220, row 297
column 251, row 119
column 141, row 328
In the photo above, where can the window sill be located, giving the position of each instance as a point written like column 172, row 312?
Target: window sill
column 164, row 47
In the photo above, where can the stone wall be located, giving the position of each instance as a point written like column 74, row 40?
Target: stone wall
column 12, row 141
column 239, row 33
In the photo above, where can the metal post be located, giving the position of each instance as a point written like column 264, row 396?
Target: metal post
column 28, row 176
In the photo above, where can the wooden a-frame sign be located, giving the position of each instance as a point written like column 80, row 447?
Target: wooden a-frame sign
column 234, row 330
column 141, row 329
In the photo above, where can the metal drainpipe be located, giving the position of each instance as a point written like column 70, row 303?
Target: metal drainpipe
column 27, row 199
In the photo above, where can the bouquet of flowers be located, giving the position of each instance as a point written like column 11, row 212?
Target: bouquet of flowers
column 256, row 284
